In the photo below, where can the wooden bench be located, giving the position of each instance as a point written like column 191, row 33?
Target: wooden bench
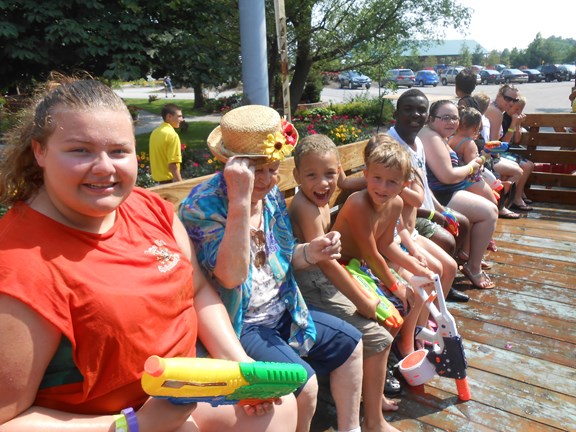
column 351, row 158
column 549, row 143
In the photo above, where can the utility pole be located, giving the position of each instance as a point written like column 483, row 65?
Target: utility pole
column 280, row 14
column 253, row 51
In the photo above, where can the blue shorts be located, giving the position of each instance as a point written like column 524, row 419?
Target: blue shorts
column 335, row 342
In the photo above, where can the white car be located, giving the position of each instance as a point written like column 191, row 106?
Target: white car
column 449, row 75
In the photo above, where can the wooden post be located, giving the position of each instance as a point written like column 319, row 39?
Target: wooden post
column 280, row 14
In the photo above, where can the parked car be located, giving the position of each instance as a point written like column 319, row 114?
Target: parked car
column 354, row 79
column 513, row 76
column 571, row 70
column 553, row 72
column 426, row 77
column 489, row 76
column 534, row 75
column 400, row 77
column 439, row 68
column 449, row 75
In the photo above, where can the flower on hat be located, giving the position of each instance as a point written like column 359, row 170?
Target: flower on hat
column 281, row 144
column 289, row 132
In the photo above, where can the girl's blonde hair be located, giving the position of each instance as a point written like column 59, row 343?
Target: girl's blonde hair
column 20, row 175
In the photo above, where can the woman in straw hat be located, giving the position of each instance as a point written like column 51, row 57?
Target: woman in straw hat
column 241, row 230
column 97, row 275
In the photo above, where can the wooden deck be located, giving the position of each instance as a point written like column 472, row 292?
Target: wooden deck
column 520, row 338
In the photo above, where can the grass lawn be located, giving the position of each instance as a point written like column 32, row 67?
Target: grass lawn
column 194, row 137
column 156, row 106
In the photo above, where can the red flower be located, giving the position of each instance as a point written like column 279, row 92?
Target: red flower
column 289, row 132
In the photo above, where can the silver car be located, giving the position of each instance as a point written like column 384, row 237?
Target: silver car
column 400, row 77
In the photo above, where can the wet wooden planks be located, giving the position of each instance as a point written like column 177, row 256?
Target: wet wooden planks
column 520, row 338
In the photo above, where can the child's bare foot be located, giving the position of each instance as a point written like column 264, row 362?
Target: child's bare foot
column 389, row 404
column 384, row 427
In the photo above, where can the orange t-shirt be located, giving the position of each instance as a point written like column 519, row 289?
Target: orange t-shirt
column 119, row 297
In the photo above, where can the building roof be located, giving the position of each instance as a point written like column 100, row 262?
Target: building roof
column 444, row 48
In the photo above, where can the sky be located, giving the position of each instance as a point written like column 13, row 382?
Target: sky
column 499, row 24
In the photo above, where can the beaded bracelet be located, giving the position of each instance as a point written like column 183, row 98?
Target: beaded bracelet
column 306, row 256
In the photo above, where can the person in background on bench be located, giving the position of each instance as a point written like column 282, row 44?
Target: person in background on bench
column 512, row 121
column 96, row 276
column 411, row 114
column 240, row 227
column 165, row 147
column 448, row 182
column 508, row 171
column 327, row 286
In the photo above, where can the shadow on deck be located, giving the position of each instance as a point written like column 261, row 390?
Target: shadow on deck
column 520, row 338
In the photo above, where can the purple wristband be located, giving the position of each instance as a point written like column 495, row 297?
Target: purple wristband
column 131, row 419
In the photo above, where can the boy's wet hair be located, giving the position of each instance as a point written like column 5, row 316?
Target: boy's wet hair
column 469, row 117
column 20, row 175
column 318, row 144
column 482, row 100
column 385, row 150
column 466, row 81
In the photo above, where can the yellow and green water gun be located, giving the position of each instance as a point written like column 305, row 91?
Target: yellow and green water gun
column 184, row 380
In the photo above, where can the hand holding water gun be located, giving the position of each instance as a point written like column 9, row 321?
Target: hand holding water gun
column 447, row 353
column 386, row 312
column 185, row 380
column 495, row 147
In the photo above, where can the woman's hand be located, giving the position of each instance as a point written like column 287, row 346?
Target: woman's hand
column 262, row 407
column 474, row 165
column 239, row 176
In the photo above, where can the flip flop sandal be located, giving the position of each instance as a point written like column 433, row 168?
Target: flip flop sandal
column 510, row 215
column 525, row 208
column 474, row 278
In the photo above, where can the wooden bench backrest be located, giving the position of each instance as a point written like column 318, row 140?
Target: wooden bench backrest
column 351, row 158
column 540, row 146
column 549, row 141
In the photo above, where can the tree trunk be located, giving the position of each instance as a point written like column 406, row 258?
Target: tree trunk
column 198, row 96
column 301, row 70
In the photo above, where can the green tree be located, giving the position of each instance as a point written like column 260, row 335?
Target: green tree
column 465, row 56
column 478, row 57
column 105, row 37
column 493, row 58
column 201, row 46
column 364, row 33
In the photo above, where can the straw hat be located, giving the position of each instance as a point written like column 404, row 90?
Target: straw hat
column 255, row 131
